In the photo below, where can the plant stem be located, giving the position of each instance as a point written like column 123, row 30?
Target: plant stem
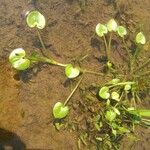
column 142, row 66
column 67, row 100
column 92, row 72
column 106, row 47
column 47, row 60
column 128, row 52
column 109, row 44
column 122, row 83
column 41, row 41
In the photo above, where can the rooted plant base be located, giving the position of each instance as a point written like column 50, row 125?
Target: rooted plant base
column 27, row 98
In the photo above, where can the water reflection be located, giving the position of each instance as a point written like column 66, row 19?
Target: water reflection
column 10, row 141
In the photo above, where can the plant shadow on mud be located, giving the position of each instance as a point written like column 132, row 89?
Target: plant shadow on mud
column 10, row 140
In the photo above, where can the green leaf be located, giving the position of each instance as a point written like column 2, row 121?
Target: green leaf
column 104, row 92
column 141, row 112
column 21, row 64
column 116, row 111
column 121, row 31
column 127, row 87
column 115, row 96
column 122, row 130
column 112, row 25
column 16, row 54
column 60, row 111
column 35, row 19
column 140, row 38
column 71, row 72
column 114, row 81
column 101, row 30
column 110, row 115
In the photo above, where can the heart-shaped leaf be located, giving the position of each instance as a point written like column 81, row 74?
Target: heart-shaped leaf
column 16, row 54
column 35, row 19
column 110, row 115
column 121, row 31
column 71, row 72
column 115, row 96
column 21, row 64
column 112, row 25
column 101, row 30
column 104, row 92
column 60, row 111
column 18, row 60
column 140, row 38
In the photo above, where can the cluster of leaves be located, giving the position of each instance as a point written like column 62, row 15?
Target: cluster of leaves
column 116, row 117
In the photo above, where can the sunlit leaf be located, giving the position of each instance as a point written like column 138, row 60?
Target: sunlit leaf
column 60, row 111
column 101, row 30
column 104, row 92
column 35, row 19
column 140, row 38
column 112, row 25
column 110, row 115
column 72, row 72
column 121, row 31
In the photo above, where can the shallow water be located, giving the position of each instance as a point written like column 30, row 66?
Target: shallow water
column 26, row 99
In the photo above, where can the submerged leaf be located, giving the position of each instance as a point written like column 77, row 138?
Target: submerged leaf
column 35, row 19
column 60, row 111
column 104, row 92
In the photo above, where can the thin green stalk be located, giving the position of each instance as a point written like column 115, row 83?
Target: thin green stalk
column 109, row 44
column 106, row 47
column 41, row 41
column 92, row 72
column 122, row 83
column 77, row 85
column 142, row 66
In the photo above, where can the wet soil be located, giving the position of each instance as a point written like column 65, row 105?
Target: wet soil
column 27, row 98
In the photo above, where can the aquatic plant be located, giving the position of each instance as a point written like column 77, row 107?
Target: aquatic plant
column 60, row 110
column 18, row 59
column 36, row 20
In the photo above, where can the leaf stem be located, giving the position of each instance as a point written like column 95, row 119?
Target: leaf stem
column 41, row 41
column 67, row 100
column 122, row 83
column 106, row 47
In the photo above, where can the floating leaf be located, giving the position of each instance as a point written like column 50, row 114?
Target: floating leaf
column 60, row 111
column 16, row 54
column 114, row 81
column 112, row 25
column 101, row 30
column 140, row 38
column 18, row 60
column 35, row 19
column 104, row 92
column 71, row 72
column 110, row 115
column 116, row 111
column 21, row 64
column 127, row 87
column 121, row 31
column 115, row 96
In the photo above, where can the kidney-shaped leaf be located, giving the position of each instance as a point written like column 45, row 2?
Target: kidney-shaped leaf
column 104, row 92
